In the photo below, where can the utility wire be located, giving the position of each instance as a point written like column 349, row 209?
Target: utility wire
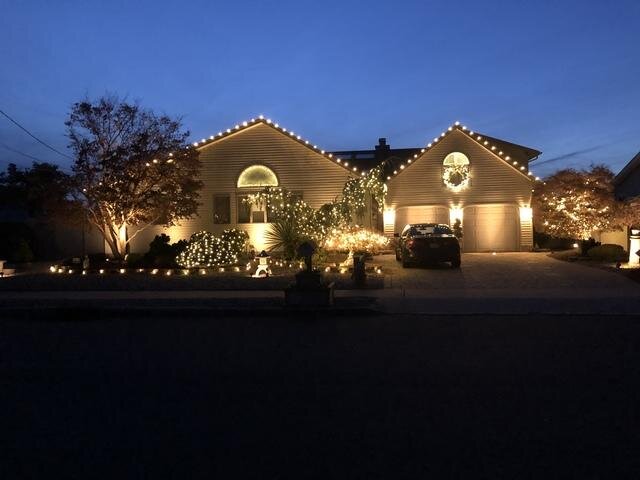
column 21, row 153
column 34, row 137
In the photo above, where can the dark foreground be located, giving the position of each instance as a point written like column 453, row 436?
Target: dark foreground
column 361, row 397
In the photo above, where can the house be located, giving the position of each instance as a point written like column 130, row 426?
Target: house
column 627, row 181
column 480, row 180
column 627, row 187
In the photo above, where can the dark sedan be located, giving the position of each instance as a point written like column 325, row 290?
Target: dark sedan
column 427, row 243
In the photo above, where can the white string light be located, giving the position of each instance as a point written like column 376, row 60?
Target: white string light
column 268, row 121
column 478, row 139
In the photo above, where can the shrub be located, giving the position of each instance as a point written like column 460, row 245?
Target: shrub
column 21, row 252
column 543, row 240
column 607, row 253
column 356, row 239
column 161, row 253
column 207, row 250
column 134, row 260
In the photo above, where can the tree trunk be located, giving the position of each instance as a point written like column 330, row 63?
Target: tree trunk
column 116, row 238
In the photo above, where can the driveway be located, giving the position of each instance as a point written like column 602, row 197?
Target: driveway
column 509, row 283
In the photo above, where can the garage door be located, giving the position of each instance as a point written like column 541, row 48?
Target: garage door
column 491, row 228
column 421, row 214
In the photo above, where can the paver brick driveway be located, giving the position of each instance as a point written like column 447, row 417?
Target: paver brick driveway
column 518, row 273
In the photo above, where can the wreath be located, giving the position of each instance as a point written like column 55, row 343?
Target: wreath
column 456, row 177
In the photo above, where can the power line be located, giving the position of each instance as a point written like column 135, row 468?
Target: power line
column 34, row 137
column 21, row 153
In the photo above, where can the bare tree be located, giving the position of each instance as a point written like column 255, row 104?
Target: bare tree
column 132, row 168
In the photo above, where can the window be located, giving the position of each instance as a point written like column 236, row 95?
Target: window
column 455, row 159
column 221, row 209
column 257, row 176
column 244, row 209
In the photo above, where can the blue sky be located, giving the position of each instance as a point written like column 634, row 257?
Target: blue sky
column 559, row 76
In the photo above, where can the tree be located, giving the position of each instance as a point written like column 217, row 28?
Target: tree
column 629, row 212
column 573, row 204
column 42, row 191
column 132, row 168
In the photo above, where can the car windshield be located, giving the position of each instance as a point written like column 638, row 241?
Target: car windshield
column 429, row 230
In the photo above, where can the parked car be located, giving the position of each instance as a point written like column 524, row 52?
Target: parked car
column 427, row 243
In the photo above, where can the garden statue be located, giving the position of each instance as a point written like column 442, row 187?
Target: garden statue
column 263, row 270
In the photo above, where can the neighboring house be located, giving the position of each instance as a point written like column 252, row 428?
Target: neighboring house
column 627, row 187
column 481, row 180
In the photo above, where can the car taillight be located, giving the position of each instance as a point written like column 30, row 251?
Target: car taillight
column 410, row 243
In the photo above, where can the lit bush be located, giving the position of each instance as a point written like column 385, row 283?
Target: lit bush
column 356, row 239
column 206, row 250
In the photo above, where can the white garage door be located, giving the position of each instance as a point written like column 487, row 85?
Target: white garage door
column 421, row 214
column 491, row 228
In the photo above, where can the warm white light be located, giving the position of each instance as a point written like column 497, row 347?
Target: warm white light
column 526, row 214
column 455, row 213
column 101, row 271
column 389, row 216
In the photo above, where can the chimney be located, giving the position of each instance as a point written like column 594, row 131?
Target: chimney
column 382, row 150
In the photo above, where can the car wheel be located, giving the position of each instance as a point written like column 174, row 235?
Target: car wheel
column 455, row 263
column 397, row 256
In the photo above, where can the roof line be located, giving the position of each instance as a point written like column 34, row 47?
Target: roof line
column 288, row 133
column 479, row 140
column 627, row 169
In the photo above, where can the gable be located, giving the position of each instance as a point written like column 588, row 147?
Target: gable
column 297, row 166
column 493, row 176
column 290, row 134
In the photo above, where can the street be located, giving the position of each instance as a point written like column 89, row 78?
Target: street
column 380, row 396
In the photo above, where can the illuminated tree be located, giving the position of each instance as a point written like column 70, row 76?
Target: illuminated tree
column 295, row 221
column 132, row 168
column 357, row 190
column 574, row 204
column 628, row 212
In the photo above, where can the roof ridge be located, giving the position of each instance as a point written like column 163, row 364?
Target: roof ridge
column 288, row 133
column 478, row 139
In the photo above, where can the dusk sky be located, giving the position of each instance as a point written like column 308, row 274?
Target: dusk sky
column 559, row 76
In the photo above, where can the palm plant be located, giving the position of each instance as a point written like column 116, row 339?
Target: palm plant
column 284, row 236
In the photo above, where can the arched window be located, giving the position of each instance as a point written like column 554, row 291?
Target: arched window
column 455, row 158
column 257, row 176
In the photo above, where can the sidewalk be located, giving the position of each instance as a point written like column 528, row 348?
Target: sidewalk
column 390, row 300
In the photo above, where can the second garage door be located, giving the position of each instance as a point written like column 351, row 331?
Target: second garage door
column 421, row 214
column 491, row 228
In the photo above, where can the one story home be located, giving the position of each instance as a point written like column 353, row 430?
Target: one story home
column 461, row 175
